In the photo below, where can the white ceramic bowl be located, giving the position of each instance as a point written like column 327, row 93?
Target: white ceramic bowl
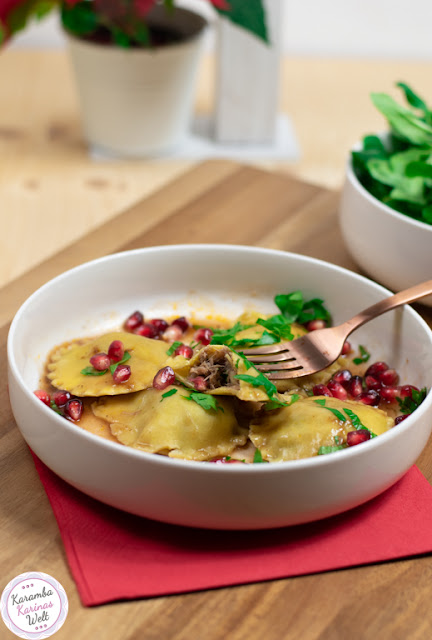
column 393, row 248
column 175, row 279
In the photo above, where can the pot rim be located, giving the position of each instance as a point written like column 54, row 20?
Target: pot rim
column 159, row 16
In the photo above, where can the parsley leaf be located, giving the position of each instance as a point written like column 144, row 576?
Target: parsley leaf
column 271, row 404
column 204, row 400
column 278, row 325
column 91, row 371
column 227, row 336
column 364, row 355
column 408, row 405
column 262, row 381
column 258, row 457
column 125, row 358
column 167, row 394
column 173, row 347
column 340, row 416
column 295, row 309
column 357, row 423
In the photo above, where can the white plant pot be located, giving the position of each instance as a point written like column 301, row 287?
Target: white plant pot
column 138, row 102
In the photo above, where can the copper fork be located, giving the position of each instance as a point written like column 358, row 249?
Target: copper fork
column 318, row 349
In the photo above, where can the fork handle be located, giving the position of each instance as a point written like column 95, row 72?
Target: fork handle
column 398, row 299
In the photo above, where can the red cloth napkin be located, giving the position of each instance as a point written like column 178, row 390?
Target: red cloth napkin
column 116, row 556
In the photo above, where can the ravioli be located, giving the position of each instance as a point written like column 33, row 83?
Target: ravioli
column 66, row 363
column 298, row 431
column 173, row 425
column 219, row 366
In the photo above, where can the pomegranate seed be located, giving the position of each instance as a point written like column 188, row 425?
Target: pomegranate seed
column 376, row 368
column 372, row 383
column 100, row 361
column 389, row 377
column 370, row 397
column 313, row 325
column 164, row 378
column 204, row 336
column 355, row 386
column 116, row 351
column 122, row 372
column 346, row 349
column 182, row 323
column 321, row 390
column 44, row 396
column 159, row 324
column 389, row 394
column 172, row 334
column 400, row 419
column 184, row 350
column 61, row 397
column 73, row 409
column 337, row 390
column 147, row 330
column 199, row 383
column 358, row 436
column 406, row 390
column 134, row 320
column 342, row 377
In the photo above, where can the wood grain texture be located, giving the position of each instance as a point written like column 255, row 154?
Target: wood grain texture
column 215, row 202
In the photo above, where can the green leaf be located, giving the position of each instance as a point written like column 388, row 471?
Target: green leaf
column 404, row 122
column 295, row 309
column 278, row 325
column 271, row 405
column 173, row 347
column 414, row 100
column 290, row 304
column 408, row 405
column 227, row 336
column 114, row 365
column 90, row 371
column 426, row 215
column 81, row 19
column 418, row 169
column 262, row 381
column 169, row 393
column 258, row 457
column 363, row 357
column 249, row 15
column 357, row 423
column 204, row 400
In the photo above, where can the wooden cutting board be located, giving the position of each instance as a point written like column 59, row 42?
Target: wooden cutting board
column 216, row 202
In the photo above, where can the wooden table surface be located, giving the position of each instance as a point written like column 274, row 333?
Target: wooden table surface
column 54, row 195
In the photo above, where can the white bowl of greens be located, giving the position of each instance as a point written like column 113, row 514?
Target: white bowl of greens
column 386, row 204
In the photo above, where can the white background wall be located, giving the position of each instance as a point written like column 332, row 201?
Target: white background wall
column 373, row 28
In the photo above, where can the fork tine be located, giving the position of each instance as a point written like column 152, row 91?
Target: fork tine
column 277, row 357
column 269, row 348
column 292, row 365
column 284, row 375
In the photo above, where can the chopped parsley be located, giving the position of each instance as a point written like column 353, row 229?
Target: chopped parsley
column 355, row 420
column 278, row 325
column 363, row 357
column 271, row 404
column 262, row 381
column 173, row 347
column 295, row 309
column 91, row 371
column 258, row 457
column 204, row 400
column 408, row 405
column 357, row 423
column 169, row 393
column 125, row 358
